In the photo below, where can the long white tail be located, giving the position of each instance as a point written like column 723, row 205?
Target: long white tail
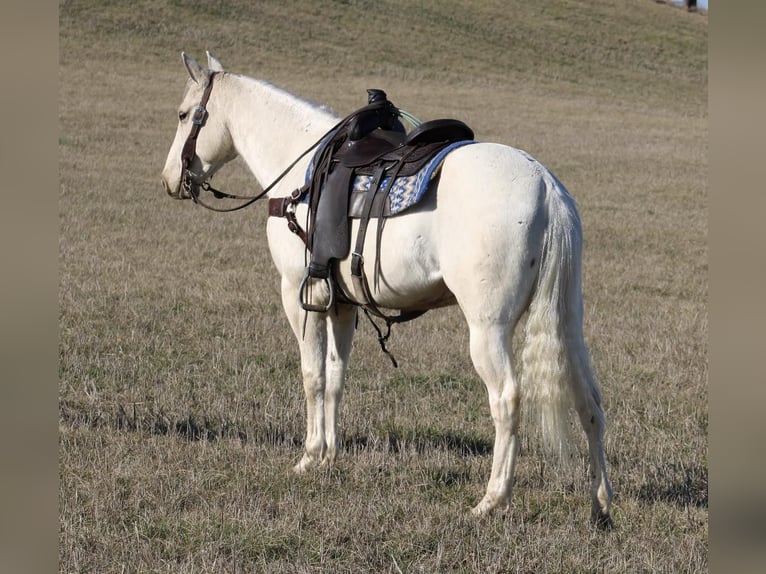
column 555, row 363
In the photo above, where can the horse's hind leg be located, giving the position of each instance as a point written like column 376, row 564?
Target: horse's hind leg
column 587, row 402
column 491, row 355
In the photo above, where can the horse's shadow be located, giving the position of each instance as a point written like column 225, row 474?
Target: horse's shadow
column 676, row 484
column 418, row 440
column 679, row 484
column 201, row 428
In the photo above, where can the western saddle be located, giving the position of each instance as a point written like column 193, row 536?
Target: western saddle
column 371, row 141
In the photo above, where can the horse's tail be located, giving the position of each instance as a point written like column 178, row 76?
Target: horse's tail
column 555, row 363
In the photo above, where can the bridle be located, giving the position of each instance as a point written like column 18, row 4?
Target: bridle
column 190, row 184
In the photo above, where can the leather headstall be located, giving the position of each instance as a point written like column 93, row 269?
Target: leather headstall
column 189, row 186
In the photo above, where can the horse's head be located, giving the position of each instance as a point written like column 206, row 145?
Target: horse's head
column 202, row 144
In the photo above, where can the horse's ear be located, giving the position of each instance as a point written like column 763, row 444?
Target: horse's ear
column 196, row 72
column 213, row 64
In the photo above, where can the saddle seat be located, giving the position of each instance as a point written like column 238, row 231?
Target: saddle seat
column 390, row 145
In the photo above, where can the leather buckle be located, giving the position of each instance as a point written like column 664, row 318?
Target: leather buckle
column 356, row 264
column 298, row 193
column 200, row 113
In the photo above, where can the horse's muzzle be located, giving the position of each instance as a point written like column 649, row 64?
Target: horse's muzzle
column 178, row 193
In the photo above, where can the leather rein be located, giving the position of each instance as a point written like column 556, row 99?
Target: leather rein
column 190, row 182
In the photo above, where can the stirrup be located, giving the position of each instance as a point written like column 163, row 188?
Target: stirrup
column 316, row 308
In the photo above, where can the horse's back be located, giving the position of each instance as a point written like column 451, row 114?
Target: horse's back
column 493, row 177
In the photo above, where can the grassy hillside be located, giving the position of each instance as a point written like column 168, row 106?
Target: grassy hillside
column 181, row 405
column 619, row 48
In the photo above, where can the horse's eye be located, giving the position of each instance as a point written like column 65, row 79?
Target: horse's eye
column 182, row 116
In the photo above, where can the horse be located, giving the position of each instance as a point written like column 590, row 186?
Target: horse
column 496, row 234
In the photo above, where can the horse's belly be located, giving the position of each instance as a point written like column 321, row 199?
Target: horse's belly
column 408, row 275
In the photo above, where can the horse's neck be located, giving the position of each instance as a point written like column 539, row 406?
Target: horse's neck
column 270, row 127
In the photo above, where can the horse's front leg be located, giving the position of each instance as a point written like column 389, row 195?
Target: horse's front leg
column 312, row 341
column 325, row 346
column 340, row 332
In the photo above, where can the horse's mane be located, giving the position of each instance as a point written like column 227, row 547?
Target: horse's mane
column 289, row 98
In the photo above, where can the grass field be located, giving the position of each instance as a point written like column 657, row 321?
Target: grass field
column 180, row 400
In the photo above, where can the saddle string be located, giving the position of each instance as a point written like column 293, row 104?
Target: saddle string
column 381, row 337
column 414, row 122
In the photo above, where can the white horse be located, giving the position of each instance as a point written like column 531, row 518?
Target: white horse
column 497, row 234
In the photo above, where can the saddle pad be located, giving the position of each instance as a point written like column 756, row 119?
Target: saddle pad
column 406, row 191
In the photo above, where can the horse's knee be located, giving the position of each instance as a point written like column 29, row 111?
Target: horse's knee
column 313, row 383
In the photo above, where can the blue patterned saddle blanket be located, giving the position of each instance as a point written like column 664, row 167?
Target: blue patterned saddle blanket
column 406, row 191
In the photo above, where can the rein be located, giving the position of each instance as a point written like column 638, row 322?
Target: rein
column 189, row 184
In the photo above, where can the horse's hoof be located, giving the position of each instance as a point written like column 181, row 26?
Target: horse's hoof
column 488, row 505
column 480, row 510
column 305, row 464
column 602, row 520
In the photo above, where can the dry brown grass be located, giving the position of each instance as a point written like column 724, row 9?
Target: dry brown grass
column 180, row 405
